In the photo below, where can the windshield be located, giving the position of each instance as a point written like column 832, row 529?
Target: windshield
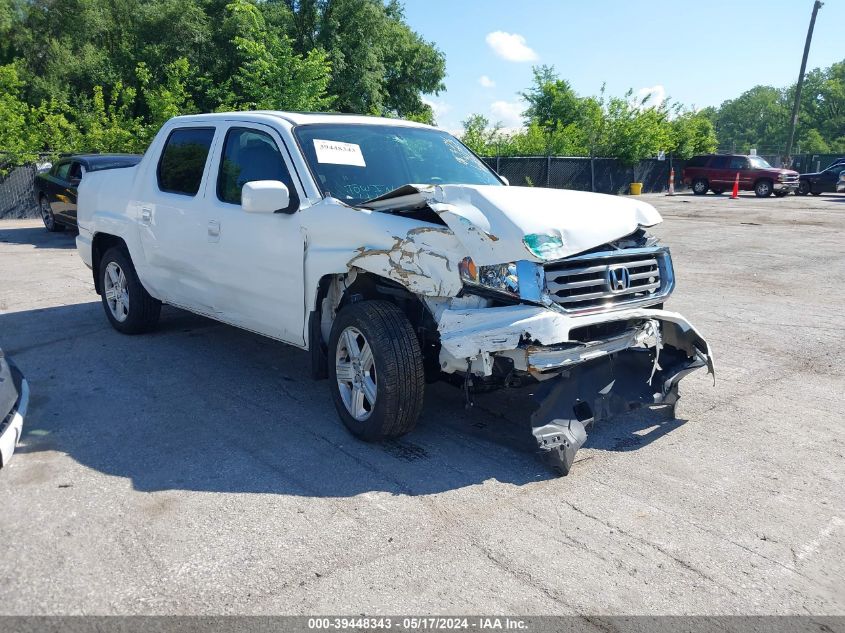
column 759, row 163
column 355, row 163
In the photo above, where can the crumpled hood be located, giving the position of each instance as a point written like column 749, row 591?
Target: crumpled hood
column 503, row 224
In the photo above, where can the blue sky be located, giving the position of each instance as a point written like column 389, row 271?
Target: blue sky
column 698, row 53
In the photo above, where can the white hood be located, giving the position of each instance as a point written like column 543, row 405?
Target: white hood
column 502, row 224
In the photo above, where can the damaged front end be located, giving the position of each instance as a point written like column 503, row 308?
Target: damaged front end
column 581, row 369
column 570, row 306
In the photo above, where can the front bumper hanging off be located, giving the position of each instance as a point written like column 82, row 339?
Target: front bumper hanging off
column 580, row 381
column 602, row 388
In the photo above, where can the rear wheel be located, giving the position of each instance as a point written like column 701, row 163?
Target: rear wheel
column 47, row 216
column 803, row 188
column 816, row 193
column 763, row 188
column 375, row 370
column 699, row 186
column 129, row 307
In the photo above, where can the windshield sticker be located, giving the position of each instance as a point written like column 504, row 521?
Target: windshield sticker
column 338, row 153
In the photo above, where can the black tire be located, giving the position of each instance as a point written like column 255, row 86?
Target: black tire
column 763, row 188
column 397, row 366
column 50, row 222
column 803, row 188
column 718, row 192
column 781, row 194
column 142, row 310
column 816, row 193
column 699, row 186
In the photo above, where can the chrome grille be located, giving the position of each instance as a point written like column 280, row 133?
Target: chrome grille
column 601, row 281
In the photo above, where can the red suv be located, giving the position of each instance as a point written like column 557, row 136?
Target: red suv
column 718, row 172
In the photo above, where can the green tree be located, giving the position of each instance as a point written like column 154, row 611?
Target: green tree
column 16, row 139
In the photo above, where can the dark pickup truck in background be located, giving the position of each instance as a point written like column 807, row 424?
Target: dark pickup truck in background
column 718, row 172
column 55, row 189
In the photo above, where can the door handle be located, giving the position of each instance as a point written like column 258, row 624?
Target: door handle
column 213, row 230
column 146, row 216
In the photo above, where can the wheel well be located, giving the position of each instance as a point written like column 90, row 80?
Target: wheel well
column 764, row 178
column 362, row 286
column 100, row 245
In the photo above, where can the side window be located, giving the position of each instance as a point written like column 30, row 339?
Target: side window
column 75, row 172
column 249, row 155
column 720, row 162
column 183, row 160
column 738, row 162
column 62, row 170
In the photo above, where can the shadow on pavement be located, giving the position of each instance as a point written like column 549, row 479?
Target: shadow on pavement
column 202, row 406
column 38, row 237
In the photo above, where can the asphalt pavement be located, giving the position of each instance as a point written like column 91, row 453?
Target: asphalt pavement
column 199, row 470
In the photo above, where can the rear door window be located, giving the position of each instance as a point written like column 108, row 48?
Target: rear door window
column 720, row 162
column 182, row 162
column 739, row 162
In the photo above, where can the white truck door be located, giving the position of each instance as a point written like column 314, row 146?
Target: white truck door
column 256, row 259
column 171, row 219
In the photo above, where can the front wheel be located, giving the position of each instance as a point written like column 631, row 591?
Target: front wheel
column 375, row 370
column 763, row 189
column 699, row 186
column 129, row 307
column 803, row 188
column 47, row 216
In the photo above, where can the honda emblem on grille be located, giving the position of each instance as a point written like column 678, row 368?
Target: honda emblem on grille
column 618, row 279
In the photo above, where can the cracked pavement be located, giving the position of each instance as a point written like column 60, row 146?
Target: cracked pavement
column 199, row 470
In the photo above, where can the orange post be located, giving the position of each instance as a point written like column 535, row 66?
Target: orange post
column 672, row 182
column 735, row 192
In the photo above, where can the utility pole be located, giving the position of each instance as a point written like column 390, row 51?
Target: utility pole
column 795, row 106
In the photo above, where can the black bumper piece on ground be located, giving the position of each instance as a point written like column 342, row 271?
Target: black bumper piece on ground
column 600, row 389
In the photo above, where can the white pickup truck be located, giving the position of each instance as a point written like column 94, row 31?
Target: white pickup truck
column 397, row 257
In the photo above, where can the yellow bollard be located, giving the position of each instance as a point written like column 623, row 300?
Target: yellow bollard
column 636, row 188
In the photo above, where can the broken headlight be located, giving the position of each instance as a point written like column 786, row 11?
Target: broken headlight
column 520, row 280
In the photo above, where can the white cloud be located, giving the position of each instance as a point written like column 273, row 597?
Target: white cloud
column 658, row 96
column 486, row 82
column 438, row 108
column 510, row 46
column 508, row 113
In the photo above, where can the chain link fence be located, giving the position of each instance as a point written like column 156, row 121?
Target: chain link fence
column 17, row 191
column 602, row 175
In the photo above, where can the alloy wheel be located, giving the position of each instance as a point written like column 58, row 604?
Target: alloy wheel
column 116, row 291
column 47, row 214
column 355, row 370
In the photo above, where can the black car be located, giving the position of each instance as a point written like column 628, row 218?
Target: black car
column 824, row 181
column 55, row 190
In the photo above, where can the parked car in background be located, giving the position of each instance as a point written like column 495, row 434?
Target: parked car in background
column 55, row 188
column 841, row 185
column 824, row 181
column 718, row 172
column 14, row 399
